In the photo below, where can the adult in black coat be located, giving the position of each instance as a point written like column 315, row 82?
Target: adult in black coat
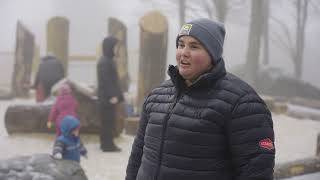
column 109, row 94
column 50, row 71
column 203, row 123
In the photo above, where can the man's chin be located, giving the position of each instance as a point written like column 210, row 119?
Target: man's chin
column 185, row 76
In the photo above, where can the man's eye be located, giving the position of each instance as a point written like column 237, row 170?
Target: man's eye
column 180, row 45
column 194, row 47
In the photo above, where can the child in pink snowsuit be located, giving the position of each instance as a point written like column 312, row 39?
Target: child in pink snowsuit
column 64, row 105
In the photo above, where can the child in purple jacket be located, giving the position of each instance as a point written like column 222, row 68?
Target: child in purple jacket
column 64, row 105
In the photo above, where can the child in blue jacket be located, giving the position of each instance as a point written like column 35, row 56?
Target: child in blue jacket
column 68, row 145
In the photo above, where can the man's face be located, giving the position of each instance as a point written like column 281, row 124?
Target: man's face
column 192, row 58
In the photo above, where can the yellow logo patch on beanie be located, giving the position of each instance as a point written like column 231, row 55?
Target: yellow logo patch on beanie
column 185, row 30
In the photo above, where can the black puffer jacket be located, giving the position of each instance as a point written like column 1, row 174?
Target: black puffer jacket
column 216, row 129
column 50, row 72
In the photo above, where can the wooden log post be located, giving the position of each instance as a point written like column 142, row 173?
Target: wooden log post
column 58, row 39
column 36, row 60
column 153, row 53
column 118, row 30
column 21, row 78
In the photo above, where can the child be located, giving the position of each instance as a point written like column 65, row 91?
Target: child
column 64, row 105
column 68, row 145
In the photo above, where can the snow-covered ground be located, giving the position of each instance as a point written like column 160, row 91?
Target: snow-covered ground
column 295, row 139
column 98, row 166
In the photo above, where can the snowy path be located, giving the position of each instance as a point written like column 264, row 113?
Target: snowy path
column 98, row 166
column 295, row 139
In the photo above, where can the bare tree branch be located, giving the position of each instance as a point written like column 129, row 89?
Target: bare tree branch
column 195, row 5
column 289, row 45
column 277, row 38
column 207, row 5
column 315, row 5
column 196, row 9
column 285, row 29
column 236, row 4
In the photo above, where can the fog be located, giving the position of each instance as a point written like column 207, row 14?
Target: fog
column 88, row 20
column 88, row 26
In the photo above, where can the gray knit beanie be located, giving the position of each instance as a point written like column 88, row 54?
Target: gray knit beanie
column 209, row 33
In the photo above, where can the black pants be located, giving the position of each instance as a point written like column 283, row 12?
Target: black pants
column 107, row 119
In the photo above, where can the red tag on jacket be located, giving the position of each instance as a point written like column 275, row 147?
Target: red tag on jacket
column 266, row 144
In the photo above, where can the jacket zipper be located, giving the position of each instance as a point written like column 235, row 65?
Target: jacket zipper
column 176, row 98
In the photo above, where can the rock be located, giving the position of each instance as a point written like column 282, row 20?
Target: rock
column 302, row 112
column 40, row 167
column 273, row 82
column 295, row 168
column 312, row 103
column 275, row 105
column 280, row 108
column 269, row 101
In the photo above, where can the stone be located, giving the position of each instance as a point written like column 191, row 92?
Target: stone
column 280, row 108
column 298, row 167
column 40, row 167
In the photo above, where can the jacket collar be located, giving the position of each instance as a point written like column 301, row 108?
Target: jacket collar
column 205, row 80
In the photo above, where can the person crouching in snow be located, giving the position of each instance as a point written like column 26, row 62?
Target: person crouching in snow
column 68, row 145
column 64, row 105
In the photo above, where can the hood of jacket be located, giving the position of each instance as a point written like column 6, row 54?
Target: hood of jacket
column 68, row 124
column 48, row 58
column 108, row 46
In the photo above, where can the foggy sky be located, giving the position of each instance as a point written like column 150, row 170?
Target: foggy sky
column 88, row 26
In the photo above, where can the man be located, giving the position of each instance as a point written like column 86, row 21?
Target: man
column 109, row 94
column 50, row 71
column 203, row 123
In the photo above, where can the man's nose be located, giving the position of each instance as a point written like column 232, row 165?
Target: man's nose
column 185, row 51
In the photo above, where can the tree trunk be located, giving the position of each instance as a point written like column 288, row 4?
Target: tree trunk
column 253, row 53
column 266, row 10
column 222, row 9
column 182, row 11
column 318, row 146
column 302, row 13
